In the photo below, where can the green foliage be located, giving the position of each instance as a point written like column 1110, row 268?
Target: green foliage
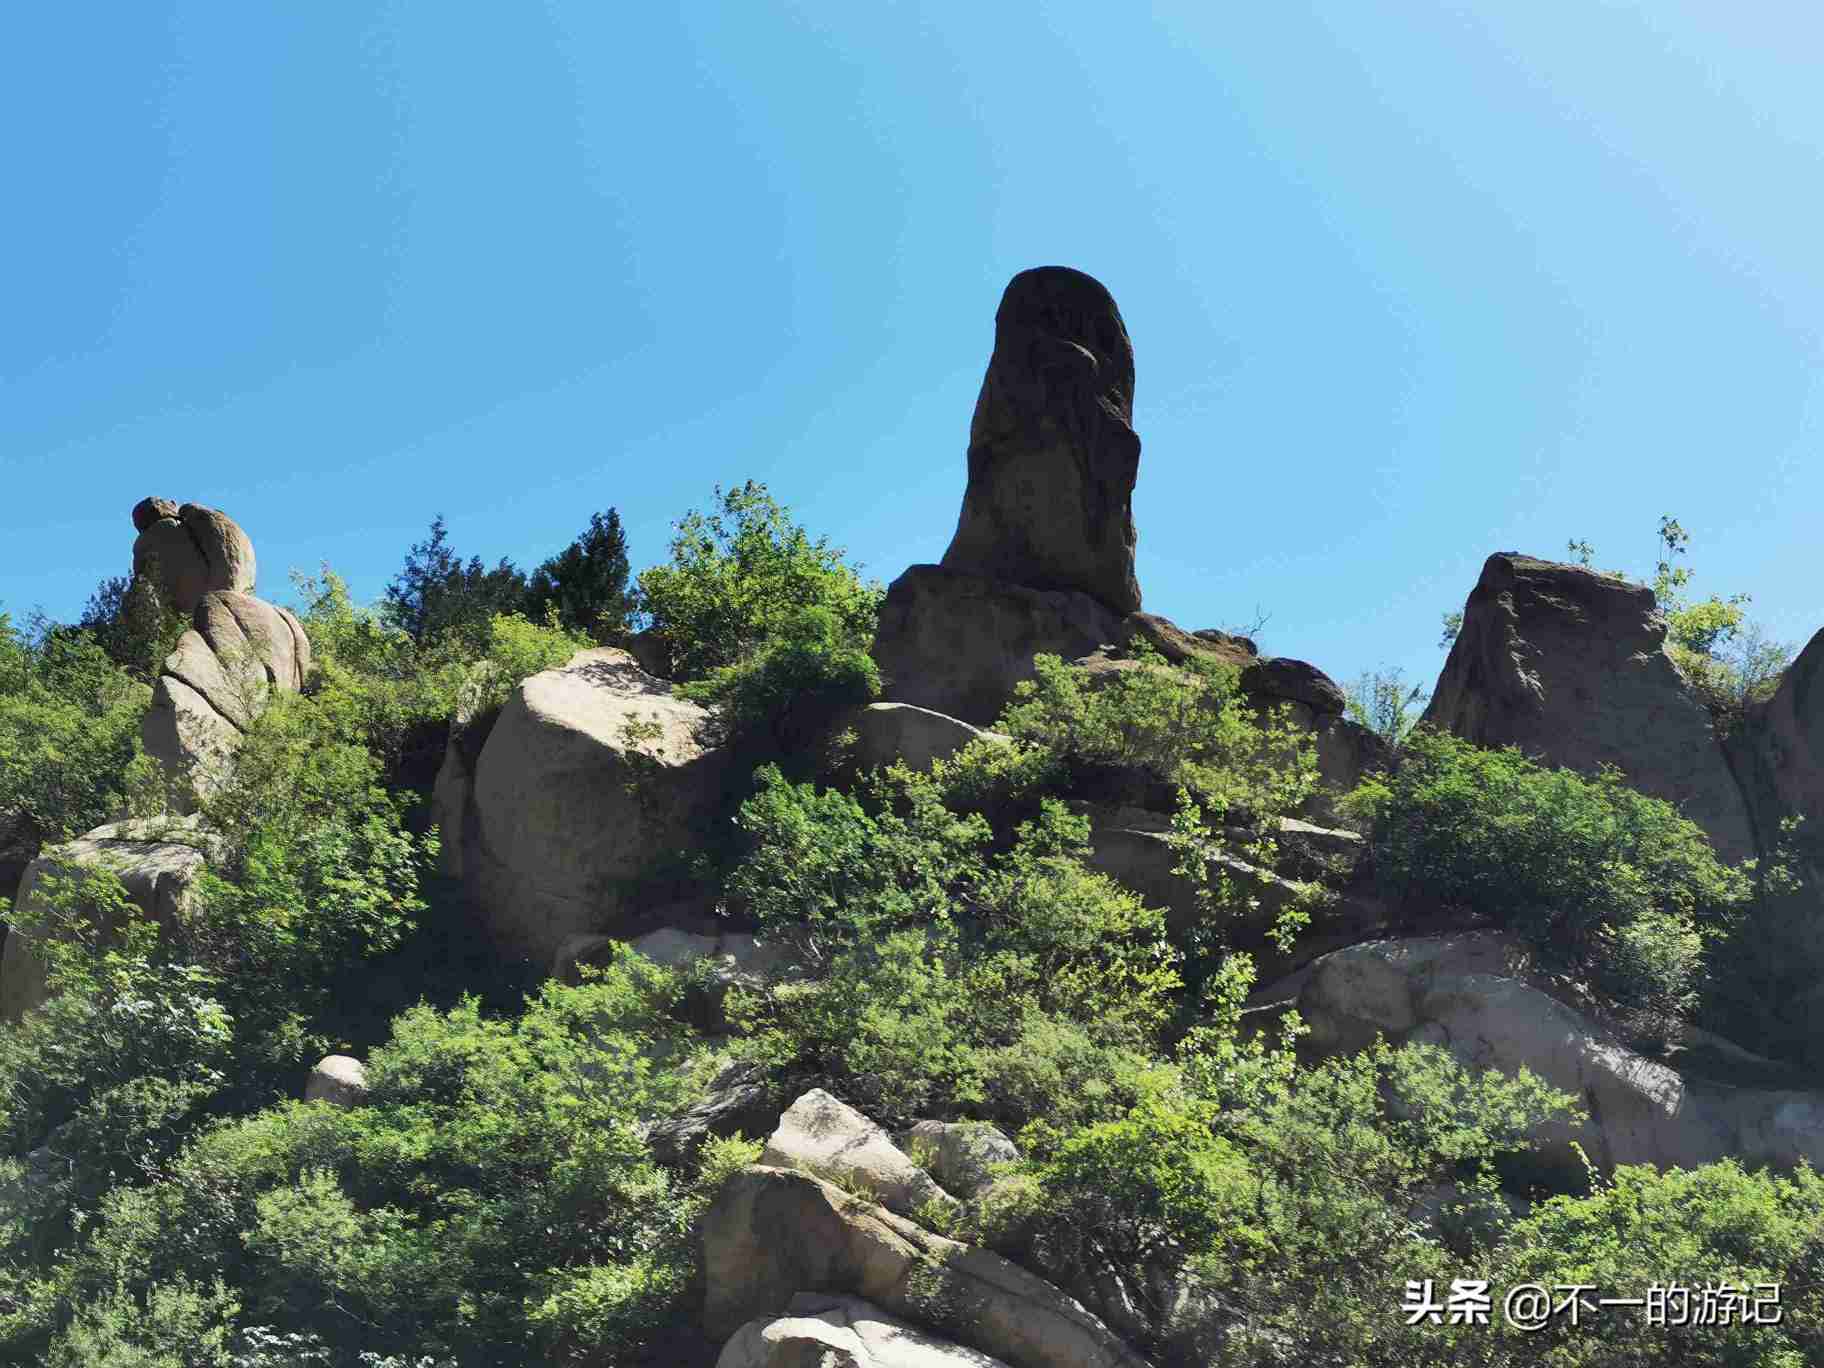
column 1186, row 725
column 493, row 1199
column 586, row 582
column 1595, row 875
column 739, row 575
column 435, row 592
column 1381, row 702
column 1000, row 984
column 128, row 621
column 69, row 730
column 1701, row 1228
column 794, row 684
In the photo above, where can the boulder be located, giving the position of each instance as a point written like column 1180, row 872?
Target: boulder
column 956, row 643
column 824, row 1135
column 1570, row 665
column 774, row 1233
column 339, row 1080
column 1461, row 991
column 917, row 737
column 842, row 1332
column 1791, row 737
column 741, row 1100
column 963, row 1154
column 237, row 650
column 591, row 773
column 189, row 551
column 156, row 860
column 1052, row 451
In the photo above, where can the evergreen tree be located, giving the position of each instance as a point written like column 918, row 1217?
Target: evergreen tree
column 587, row 581
column 435, row 592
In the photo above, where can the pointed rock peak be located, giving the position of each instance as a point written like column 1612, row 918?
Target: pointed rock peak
column 1052, row 451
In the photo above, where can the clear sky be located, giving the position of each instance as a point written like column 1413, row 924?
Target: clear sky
column 1407, row 282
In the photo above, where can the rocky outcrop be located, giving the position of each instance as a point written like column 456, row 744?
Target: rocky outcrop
column 887, row 732
column 1462, row 992
column 1052, row 450
column 824, row 1135
column 157, row 860
column 592, row 772
column 189, row 551
column 963, row 1155
column 1789, row 730
column 340, row 1080
column 842, row 1332
column 775, row 1233
column 236, row 653
column 957, row 642
column 1570, row 666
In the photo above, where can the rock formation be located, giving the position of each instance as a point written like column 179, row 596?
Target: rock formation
column 590, row 773
column 238, row 648
column 1461, row 992
column 1052, row 450
column 189, row 551
column 1570, row 665
column 156, row 860
column 775, row 1233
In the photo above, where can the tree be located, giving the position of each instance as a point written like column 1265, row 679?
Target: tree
column 128, row 620
column 586, row 582
column 435, row 592
column 739, row 575
column 1381, row 702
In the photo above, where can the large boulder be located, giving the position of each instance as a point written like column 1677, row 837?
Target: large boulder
column 157, row 860
column 340, row 1080
column 957, row 643
column 883, row 733
column 824, row 1135
column 963, row 1155
column 1052, row 451
column 842, row 1332
column 1570, row 665
column 1464, row 992
column 774, row 1233
column 189, row 551
column 592, row 773
column 237, row 652
column 1790, row 735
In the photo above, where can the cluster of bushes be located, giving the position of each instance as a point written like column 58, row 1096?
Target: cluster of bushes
column 495, row 1200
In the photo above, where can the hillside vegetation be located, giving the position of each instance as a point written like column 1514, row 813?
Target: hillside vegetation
column 499, row 1197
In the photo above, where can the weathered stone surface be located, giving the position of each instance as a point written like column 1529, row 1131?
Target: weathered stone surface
column 1791, row 736
column 150, row 510
column 957, row 643
column 842, row 1332
column 774, row 1233
column 889, row 732
column 1570, row 665
column 744, row 1099
column 340, row 1080
column 1052, row 451
column 1459, row 991
column 591, row 771
column 189, row 551
column 963, row 1154
column 156, row 862
column 824, row 1135
column 237, row 651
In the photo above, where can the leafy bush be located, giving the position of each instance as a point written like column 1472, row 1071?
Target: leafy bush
column 1700, row 1228
column 492, row 1200
column 1382, row 702
column 1186, row 725
column 1594, row 875
column 740, row 575
column 69, row 733
column 790, row 688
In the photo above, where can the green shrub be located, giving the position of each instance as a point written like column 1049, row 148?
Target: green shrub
column 1187, row 726
column 790, row 688
column 1596, row 876
column 493, row 1199
column 740, row 575
column 1698, row 1228
column 69, row 733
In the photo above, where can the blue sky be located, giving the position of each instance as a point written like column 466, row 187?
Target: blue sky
column 1407, row 283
